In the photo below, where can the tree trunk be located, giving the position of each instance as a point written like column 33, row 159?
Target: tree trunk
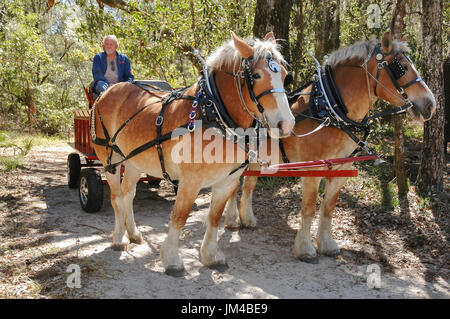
column 297, row 52
column 430, row 178
column 399, row 158
column 327, row 27
column 31, row 108
column 274, row 15
column 101, row 8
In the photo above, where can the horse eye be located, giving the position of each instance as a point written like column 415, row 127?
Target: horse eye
column 256, row 76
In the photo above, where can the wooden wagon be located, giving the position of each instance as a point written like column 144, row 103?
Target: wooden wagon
column 84, row 168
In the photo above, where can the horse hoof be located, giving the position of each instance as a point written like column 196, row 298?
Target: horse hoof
column 233, row 226
column 332, row 254
column 119, row 247
column 309, row 259
column 219, row 267
column 137, row 239
column 174, row 272
column 249, row 223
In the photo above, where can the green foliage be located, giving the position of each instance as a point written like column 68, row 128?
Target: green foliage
column 46, row 57
column 424, row 202
column 16, row 160
column 10, row 163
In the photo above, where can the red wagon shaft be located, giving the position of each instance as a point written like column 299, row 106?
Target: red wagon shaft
column 293, row 169
column 321, row 163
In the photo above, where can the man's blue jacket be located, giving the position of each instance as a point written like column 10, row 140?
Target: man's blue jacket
column 123, row 64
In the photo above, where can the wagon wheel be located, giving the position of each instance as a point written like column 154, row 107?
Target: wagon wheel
column 73, row 170
column 90, row 191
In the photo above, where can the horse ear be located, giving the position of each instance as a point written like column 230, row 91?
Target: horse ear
column 386, row 42
column 244, row 49
column 270, row 37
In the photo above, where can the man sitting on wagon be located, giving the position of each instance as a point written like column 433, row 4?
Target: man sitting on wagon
column 110, row 66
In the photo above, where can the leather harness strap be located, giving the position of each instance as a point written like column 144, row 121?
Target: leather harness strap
column 109, row 142
column 317, row 107
column 214, row 114
column 159, row 122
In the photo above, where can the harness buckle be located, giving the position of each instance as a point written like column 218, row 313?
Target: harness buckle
column 192, row 115
column 159, row 120
column 252, row 156
column 382, row 64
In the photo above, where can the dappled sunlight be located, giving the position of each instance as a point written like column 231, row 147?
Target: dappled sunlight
column 46, row 231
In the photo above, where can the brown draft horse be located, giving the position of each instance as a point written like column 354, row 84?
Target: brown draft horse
column 124, row 100
column 331, row 142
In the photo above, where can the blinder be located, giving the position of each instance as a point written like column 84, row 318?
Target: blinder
column 397, row 69
column 288, row 80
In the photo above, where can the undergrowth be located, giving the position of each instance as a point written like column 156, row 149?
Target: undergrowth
column 15, row 146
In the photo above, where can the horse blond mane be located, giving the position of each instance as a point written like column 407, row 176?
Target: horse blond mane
column 360, row 51
column 227, row 56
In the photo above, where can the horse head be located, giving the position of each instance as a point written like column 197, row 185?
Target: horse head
column 257, row 66
column 398, row 80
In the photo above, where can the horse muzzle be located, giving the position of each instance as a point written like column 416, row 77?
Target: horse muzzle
column 425, row 109
column 282, row 129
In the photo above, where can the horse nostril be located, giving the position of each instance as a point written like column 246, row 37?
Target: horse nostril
column 280, row 125
column 285, row 127
column 430, row 107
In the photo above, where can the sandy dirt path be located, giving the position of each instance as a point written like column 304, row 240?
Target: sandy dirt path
column 261, row 262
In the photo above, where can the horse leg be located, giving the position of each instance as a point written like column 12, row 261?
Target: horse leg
column 303, row 248
column 209, row 252
column 128, row 187
column 186, row 195
column 325, row 242
column 246, row 215
column 231, row 211
column 120, row 240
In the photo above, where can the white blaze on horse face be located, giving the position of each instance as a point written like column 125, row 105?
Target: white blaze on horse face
column 428, row 96
column 282, row 114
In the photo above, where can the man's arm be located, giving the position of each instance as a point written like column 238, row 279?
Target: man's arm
column 97, row 70
column 129, row 76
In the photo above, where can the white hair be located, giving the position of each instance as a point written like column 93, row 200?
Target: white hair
column 110, row 37
column 360, row 51
column 227, row 55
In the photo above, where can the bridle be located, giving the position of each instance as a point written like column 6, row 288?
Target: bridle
column 245, row 72
column 395, row 70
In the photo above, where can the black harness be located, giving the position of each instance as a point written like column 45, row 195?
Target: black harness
column 213, row 114
column 250, row 80
column 326, row 104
